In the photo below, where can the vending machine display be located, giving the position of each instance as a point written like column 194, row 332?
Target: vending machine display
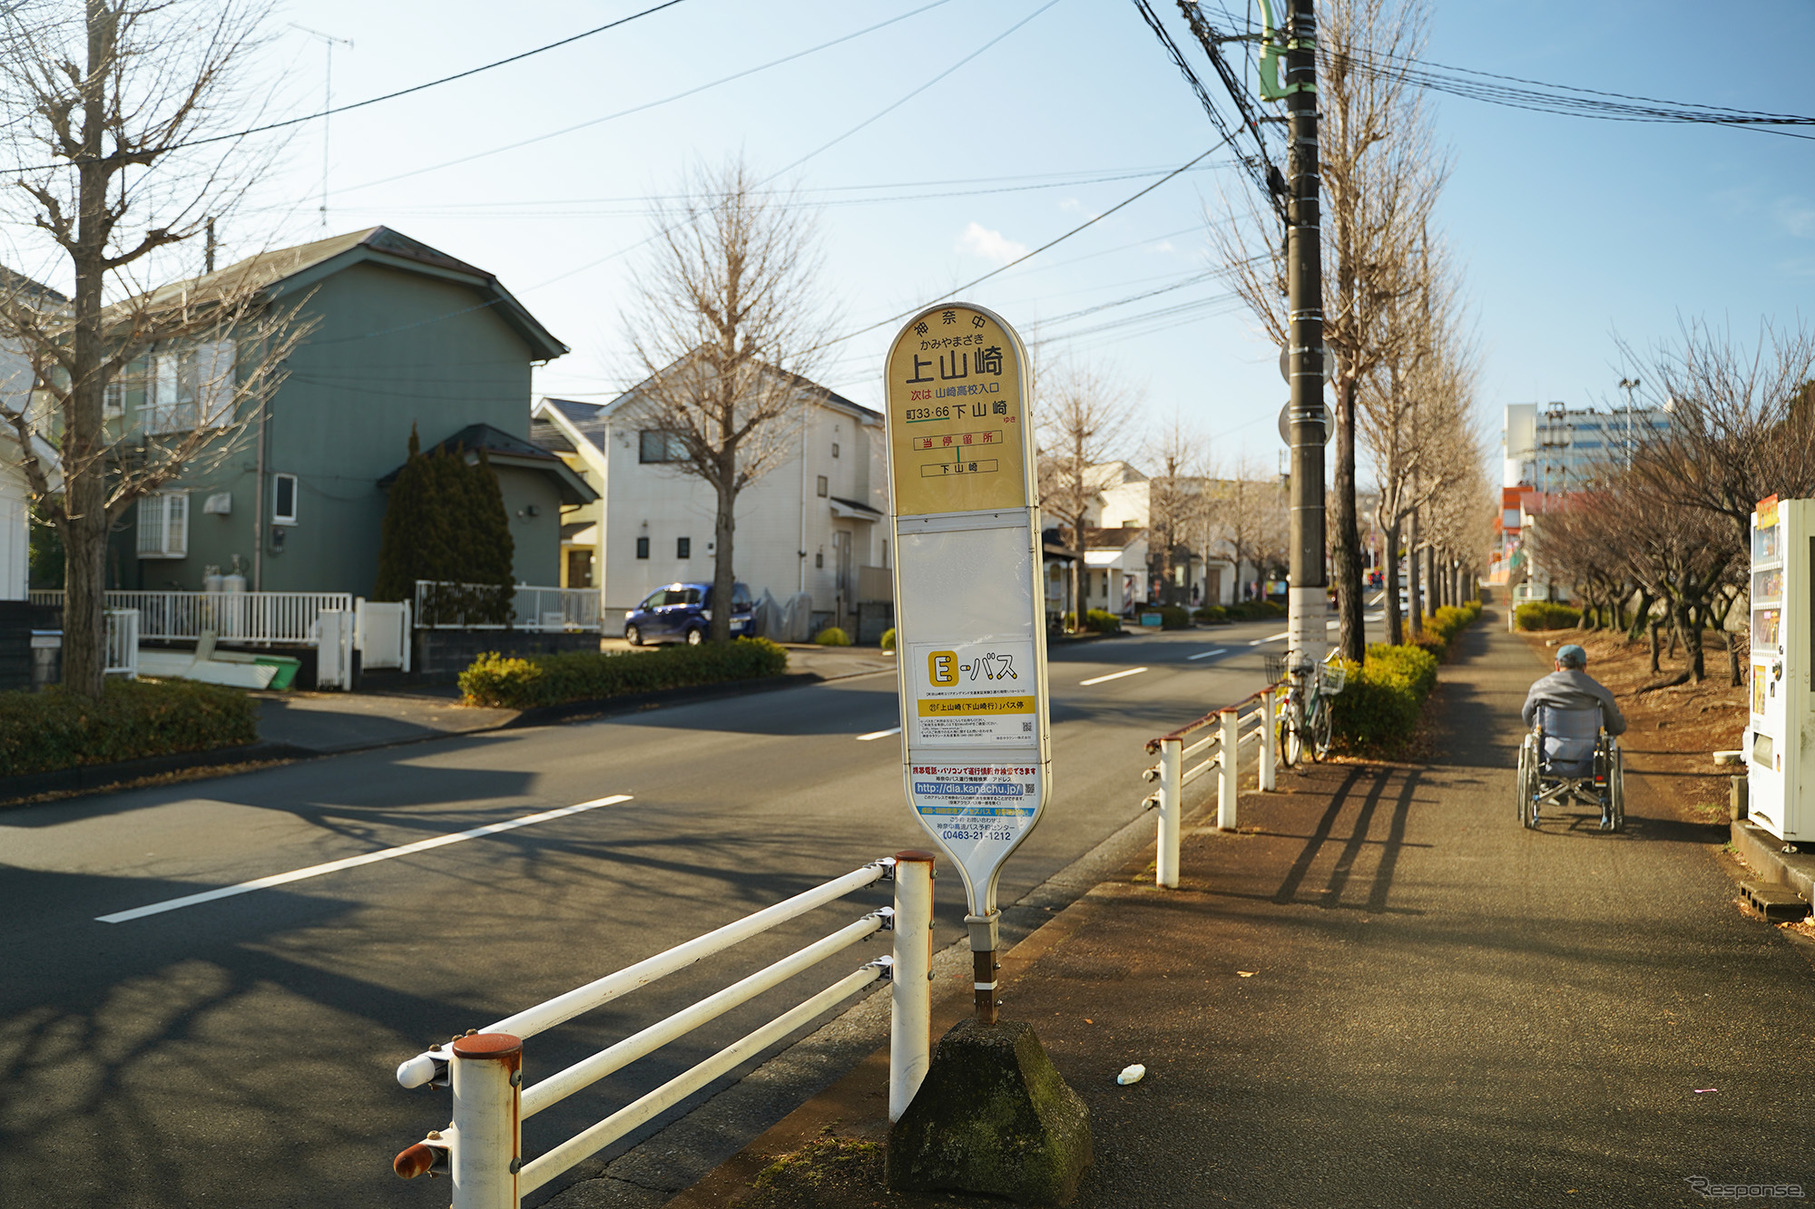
column 1780, row 749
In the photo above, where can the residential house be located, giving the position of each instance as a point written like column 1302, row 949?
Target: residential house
column 16, row 383
column 815, row 524
column 400, row 336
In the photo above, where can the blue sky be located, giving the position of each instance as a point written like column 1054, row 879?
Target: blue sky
column 1569, row 231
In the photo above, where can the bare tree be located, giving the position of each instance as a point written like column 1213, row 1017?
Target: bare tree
column 1381, row 175
column 728, row 319
column 1177, row 499
column 118, row 112
column 1082, row 413
column 1247, row 515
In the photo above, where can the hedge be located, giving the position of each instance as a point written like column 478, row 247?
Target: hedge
column 833, row 636
column 1102, row 621
column 1542, row 615
column 888, row 639
column 41, row 732
column 1378, row 708
column 513, row 683
column 1440, row 629
column 1172, row 617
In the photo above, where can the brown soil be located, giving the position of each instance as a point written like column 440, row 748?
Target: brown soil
column 1672, row 732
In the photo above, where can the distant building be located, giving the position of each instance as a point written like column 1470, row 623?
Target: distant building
column 1555, row 448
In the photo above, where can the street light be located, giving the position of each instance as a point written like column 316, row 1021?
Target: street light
column 1629, row 385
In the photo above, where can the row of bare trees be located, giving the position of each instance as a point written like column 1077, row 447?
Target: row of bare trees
column 1393, row 318
column 1662, row 539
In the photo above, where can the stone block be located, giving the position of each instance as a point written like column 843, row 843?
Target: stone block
column 993, row 1116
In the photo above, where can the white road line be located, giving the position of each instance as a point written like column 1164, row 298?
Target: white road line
column 1133, row 671
column 1206, row 654
column 297, row 875
column 879, row 734
column 1272, row 638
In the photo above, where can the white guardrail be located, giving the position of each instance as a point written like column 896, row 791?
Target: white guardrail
column 1247, row 721
column 483, row 1149
column 250, row 617
column 462, row 606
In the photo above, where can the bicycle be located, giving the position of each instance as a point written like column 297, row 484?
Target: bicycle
column 1304, row 715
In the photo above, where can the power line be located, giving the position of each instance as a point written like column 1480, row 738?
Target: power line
column 389, row 96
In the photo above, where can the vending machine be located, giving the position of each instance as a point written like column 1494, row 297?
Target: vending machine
column 1780, row 736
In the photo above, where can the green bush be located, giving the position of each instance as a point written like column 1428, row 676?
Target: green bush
column 888, row 639
column 1542, row 615
column 1173, row 617
column 40, row 732
column 1102, row 621
column 1378, row 709
column 833, row 636
column 1255, row 610
column 513, row 683
column 1211, row 614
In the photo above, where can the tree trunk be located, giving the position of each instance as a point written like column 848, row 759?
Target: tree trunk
column 1691, row 631
column 1395, row 620
column 1641, row 616
column 1734, row 679
column 1656, row 625
column 1346, row 555
column 724, row 571
column 1414, row 582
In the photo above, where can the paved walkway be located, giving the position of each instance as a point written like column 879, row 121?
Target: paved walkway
column 1384, row 991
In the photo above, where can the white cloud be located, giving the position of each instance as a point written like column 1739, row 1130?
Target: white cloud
column 990, row 245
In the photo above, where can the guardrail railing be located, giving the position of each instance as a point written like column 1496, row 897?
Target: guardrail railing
column 483, row 1149
column 446, row 605
column 1252, row 719
column 259, row 618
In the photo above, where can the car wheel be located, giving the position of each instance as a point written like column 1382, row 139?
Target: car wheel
column 695, row 636
column 633, row 636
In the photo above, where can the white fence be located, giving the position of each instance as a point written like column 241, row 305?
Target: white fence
column 483, row 1149
column 444, row 605
column 1250, row 720
column 123, row 643
column 259, row 618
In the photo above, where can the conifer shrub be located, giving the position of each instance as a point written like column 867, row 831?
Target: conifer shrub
column 445, row 522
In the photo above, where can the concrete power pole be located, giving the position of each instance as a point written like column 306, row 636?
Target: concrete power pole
column 1306, row 599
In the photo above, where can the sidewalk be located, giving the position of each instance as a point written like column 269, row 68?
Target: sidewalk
column 1384, row 991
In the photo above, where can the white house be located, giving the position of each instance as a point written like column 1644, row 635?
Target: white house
column 814, row 524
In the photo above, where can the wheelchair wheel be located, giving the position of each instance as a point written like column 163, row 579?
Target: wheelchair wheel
column 1616, row 790
column 1527, row 785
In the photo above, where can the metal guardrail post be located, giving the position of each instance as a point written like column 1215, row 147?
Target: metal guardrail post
column 1269, row 739
column 487, row 1077
column 1228, row 765
column 911, row 994
column 1171, row 807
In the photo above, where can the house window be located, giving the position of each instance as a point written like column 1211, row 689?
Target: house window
column 657, row 447
column 819, row 559
column 824, row 487
column 113, row 399
column 834, row 448
column 642, row 547
column 190, row 388
column 283, row 499
column 683, row 547
column 164, row 525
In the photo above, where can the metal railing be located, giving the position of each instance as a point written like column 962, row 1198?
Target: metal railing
column 1249, row 720
column 123, row 643
column 447, row 605
column 483, row 1150
column 259, row 618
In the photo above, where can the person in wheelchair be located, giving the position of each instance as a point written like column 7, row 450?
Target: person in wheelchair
column 1573, row 708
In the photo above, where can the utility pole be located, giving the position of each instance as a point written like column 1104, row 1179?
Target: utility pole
column 1629, row 385
column 1306, row 596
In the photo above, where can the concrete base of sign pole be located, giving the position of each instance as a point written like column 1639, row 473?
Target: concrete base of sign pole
column 992, row 1116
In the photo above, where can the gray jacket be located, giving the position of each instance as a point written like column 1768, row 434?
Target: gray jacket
column 1574, row 689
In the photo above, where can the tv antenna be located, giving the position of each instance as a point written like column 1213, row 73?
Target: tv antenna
column 327, row 104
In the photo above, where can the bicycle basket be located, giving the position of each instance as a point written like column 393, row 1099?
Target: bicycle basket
column 1335, row 677
column 1275, row 666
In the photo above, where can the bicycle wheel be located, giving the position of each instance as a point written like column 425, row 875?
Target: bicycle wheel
column 1291, row 733
column 1318, row 729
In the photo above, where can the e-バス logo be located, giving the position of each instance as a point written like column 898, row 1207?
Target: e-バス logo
column 1712, row 1191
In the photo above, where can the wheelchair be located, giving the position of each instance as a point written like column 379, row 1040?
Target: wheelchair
column 1567, row 757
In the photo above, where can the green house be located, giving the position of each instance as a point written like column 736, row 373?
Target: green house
column 396, row 334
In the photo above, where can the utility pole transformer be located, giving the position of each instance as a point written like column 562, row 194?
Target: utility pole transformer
column 1306, row 595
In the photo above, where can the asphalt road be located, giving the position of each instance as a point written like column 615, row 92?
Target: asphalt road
column 238, row 1051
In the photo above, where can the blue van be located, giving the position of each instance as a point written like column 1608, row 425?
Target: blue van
column 682, row 612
